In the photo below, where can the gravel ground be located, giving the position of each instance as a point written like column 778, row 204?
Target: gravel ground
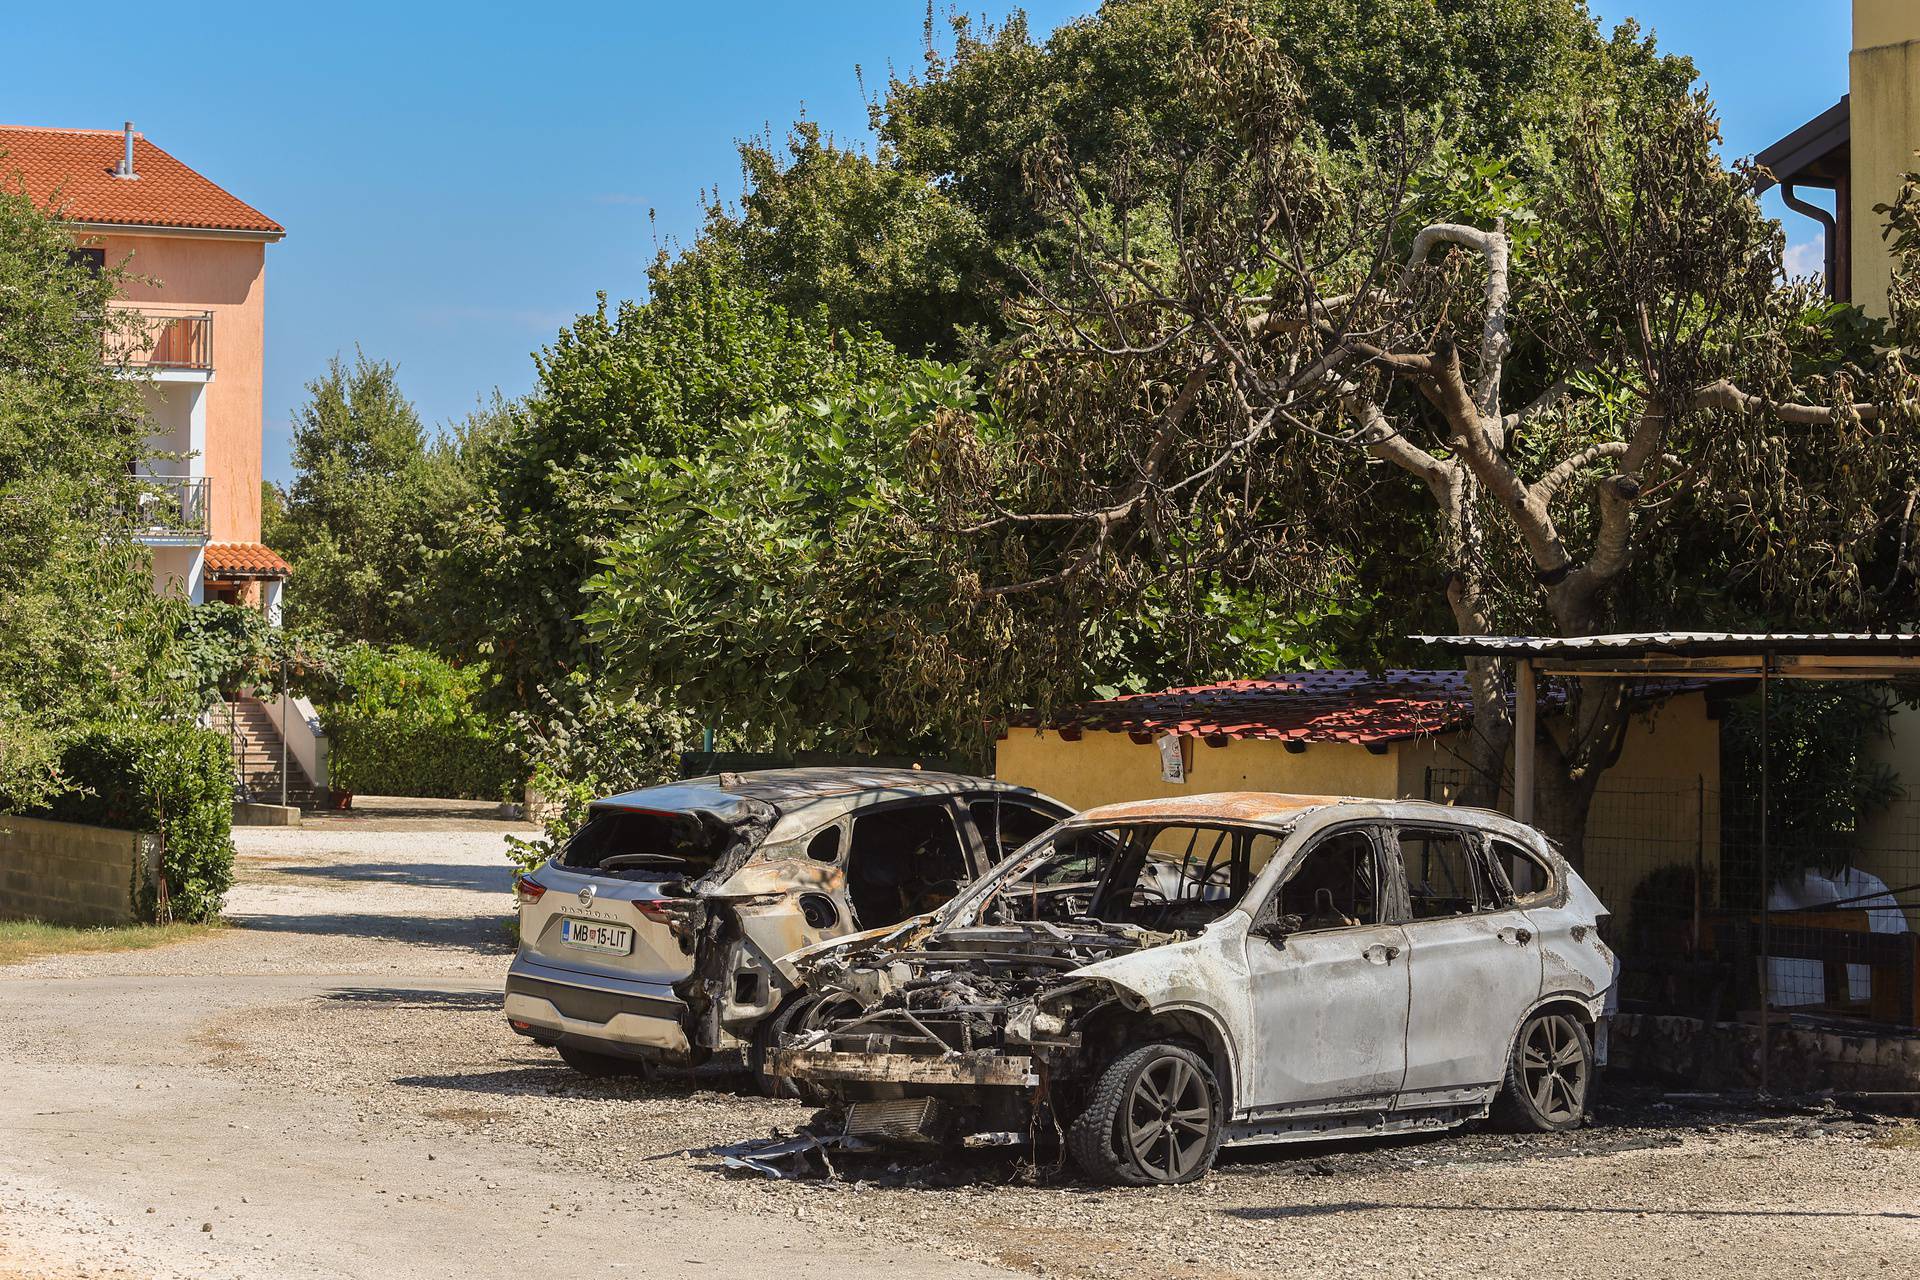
column 330, row 1090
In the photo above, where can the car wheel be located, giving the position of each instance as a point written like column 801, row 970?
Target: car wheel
column 601, row 1065
column 803, row 1012
column 1549, row 1076
column 766, row 1034
column 1155, row 1116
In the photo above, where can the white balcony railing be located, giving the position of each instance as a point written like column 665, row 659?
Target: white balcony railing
column 172, row 509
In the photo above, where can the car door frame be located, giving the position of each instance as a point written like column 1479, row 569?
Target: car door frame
column 1463, row 949
column 980, row 854
column 1305, row 958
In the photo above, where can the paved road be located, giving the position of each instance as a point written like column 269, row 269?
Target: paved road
column 228, row 1108
column 330, row 1090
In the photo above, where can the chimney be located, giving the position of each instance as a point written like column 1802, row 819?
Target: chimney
column 126, row 157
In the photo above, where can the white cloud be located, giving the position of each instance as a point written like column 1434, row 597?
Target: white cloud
column 1807, row 258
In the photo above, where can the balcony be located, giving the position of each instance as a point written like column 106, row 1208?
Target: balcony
column 162, row 339
column 172, row 511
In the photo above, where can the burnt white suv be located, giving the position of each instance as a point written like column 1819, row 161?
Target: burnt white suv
column 654, row 936
column 1158, row 978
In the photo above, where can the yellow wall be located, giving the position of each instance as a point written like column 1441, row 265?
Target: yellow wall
column 1884, row 73
column 1890, row 840
column 1657, row 806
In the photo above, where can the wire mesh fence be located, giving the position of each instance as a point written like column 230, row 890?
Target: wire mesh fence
column 1681, row 865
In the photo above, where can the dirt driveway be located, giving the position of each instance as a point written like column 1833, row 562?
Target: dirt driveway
column 330, row 1090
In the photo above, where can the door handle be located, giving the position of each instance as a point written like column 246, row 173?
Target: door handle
column 1378, row 954
column 1516, row 937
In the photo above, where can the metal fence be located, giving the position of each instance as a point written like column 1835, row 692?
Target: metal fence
column 1836, row 937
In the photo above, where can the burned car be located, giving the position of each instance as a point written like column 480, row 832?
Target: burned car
column 653, row 937
column 1151, row 980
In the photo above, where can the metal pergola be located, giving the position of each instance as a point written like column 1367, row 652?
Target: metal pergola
column 1694, row 655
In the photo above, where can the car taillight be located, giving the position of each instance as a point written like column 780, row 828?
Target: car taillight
column 528, row 889
column 655, row 909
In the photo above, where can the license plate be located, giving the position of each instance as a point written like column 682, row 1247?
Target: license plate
column 591, row 935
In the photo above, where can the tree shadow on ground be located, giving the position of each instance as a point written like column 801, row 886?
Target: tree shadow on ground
column 542, row 1072
column 484, row 935
column 494, row 878
column 419, row 998
column 1283, row 1211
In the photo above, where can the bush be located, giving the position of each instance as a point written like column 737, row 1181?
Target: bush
column 582, row 746
column 175, row 781
column 403, row 722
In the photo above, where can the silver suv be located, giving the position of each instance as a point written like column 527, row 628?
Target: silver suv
column 1155, row 979
column 654, row 936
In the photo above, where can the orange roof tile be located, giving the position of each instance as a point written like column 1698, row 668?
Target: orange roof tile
column 72, row 169
column 244, row 560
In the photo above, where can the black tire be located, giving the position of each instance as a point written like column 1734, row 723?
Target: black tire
column 601, row 1065
column 1549, row 1083
column 1154, row 1117
column 765, row 1035
column 801, row 1012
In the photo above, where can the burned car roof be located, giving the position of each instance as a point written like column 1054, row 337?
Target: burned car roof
column 785, row 790
column 1281, row 809
column 1219, row 806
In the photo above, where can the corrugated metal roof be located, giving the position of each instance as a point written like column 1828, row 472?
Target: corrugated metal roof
column 1691, row 643
column 1309, row 706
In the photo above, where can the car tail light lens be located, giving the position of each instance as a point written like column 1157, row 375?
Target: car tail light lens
column 527, row 889
column 658, row 910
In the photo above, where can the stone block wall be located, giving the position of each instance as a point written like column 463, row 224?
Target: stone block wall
column 65, row 873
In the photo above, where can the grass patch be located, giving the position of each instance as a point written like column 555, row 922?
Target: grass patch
column 1905, row 1138
column 26, row 939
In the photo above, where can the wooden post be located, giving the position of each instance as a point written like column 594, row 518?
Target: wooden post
column 1524, row 705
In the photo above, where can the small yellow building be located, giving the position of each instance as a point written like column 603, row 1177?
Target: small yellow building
column 1391, row 736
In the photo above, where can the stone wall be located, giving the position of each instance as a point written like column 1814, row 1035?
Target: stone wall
column 65, row 873
column 1726, row 1055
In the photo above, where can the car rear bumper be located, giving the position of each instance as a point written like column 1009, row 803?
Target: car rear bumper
column 550, row 1004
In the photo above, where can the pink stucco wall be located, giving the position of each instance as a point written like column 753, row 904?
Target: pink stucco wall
column 228, row 278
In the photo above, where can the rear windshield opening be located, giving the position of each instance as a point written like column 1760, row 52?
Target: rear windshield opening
column 636, row 845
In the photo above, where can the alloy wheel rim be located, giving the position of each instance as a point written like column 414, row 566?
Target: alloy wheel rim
column 1169, row 1119
column 1554, row 1069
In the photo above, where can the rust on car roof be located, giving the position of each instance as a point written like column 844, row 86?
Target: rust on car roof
column 1217, row 806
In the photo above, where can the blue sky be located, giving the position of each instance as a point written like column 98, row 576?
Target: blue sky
column 458, row 181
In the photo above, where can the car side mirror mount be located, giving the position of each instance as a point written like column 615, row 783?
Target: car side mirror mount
column 1274, row 931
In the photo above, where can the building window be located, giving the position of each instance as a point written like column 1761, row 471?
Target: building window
column 92, row 261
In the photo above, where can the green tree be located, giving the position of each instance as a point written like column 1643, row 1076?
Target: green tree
column 81, row 635
column 366, row 509
column 1538, row 354
column 859, row 238
column 654, row 380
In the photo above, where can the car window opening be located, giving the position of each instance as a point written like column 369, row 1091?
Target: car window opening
column 903, row 862
column 1171, row 878
column 1005, row 826
column 1444, row 878
column 1336, row 886
column 635, row 844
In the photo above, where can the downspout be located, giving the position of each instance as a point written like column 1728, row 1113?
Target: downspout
column 1829, row 233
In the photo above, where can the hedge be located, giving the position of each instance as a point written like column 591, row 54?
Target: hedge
column 386, row 753
column 403, row 722
column 172, row 780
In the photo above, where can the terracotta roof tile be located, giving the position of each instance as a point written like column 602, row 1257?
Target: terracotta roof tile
column 244, row 560
column 73, row 170
column 1308, row 706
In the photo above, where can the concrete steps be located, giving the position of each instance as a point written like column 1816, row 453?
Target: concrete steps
column 256, row 756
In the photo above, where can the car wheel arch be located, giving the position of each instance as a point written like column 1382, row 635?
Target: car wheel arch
column 1571, row 1002
column 1114, row 1029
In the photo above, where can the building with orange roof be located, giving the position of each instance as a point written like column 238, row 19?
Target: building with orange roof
column 195, row 256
